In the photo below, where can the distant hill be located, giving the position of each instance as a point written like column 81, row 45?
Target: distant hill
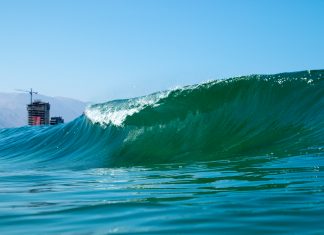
column 13, row 111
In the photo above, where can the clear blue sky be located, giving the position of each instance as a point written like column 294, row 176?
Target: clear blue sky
column 101, row 50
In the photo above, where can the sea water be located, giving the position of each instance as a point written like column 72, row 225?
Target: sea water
column 239, row 156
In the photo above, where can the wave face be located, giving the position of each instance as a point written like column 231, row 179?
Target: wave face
column 268, row 115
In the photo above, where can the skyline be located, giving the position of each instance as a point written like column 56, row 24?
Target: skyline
column 102, row 50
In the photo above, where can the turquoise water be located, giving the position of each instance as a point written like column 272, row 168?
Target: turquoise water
column 239, row 156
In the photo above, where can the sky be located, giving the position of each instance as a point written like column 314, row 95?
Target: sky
column 102, row 50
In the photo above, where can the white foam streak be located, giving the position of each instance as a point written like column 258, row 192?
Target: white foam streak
column 115, row 112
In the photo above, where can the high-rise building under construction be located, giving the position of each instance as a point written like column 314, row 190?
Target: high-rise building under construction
column 38, row 113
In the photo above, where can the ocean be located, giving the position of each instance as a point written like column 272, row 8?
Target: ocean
column 237, row 156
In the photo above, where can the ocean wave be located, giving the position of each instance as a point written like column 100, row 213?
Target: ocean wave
column 255, row 115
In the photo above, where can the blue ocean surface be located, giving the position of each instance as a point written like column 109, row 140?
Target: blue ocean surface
column 236, row 156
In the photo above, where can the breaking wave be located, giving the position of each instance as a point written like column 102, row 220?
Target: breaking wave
column 258, row 115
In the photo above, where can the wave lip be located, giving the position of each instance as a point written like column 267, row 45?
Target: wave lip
column 115, row 112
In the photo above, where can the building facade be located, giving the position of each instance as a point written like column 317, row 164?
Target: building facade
column 38, row 113
column 56, row 120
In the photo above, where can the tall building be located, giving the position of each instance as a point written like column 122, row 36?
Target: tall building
column 38, row 113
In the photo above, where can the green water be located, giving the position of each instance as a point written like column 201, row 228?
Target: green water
column 262, row 195
column 240, row 156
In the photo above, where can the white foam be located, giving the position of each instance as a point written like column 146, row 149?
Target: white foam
column 115, row 112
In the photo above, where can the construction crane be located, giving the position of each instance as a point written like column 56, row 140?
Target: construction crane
column 31, row 92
